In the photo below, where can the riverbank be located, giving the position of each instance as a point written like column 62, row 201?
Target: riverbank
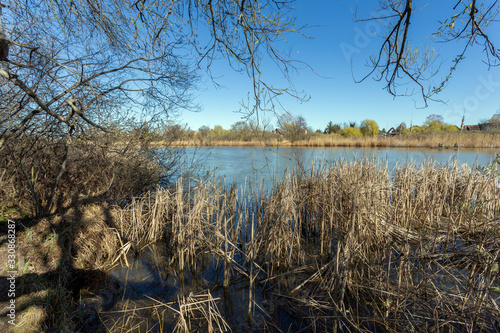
column 420, row 140
column 353, row 246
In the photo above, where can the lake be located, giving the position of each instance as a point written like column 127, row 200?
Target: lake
column 255, row 164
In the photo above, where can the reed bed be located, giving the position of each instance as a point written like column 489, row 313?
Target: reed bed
column 344, row 246
column 421, row 140
column 479, row 139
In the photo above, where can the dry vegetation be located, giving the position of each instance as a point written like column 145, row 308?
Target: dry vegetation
column 64, row 200
column 349, row 246
column 346, row 246
column 422, row 140
column 38, row 179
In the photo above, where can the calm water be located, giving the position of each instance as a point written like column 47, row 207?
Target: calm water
column 244, row 164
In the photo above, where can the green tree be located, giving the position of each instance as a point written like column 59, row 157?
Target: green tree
column 348, row 131
column 434, row 123
column 218, row 130
column 450, row 128
column 369, row 127
column 332, row 128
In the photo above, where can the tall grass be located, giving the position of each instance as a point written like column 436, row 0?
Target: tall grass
column 345, row 246
column 421, row 140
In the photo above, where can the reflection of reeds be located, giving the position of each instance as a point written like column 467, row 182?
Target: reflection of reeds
column 350, row 245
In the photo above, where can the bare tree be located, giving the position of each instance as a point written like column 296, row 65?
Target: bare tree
column 434, row 118
column 408, row 69
column 67, row 66
column 293, row 126
column 76, row 63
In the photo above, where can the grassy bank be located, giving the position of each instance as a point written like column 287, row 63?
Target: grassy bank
column 62, row 199
column 419, row 140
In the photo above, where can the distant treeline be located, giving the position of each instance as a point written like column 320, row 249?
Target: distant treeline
column 295, row 131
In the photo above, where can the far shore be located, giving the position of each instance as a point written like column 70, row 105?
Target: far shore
column 427, row 140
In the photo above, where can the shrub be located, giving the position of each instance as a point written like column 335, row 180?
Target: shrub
column 92, row 170
column 350, row 132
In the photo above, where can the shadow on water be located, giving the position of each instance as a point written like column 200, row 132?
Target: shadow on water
column 151, row 291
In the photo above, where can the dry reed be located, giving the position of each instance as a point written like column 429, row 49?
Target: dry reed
column 353, row 246
column 427, row 140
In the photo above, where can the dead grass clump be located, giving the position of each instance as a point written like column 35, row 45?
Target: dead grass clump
column 278, row 228
column 200, row 312
column 144, row 219
column 96, row 244
column 394, row 237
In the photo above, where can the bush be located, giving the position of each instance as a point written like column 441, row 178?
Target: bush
column 350, row 132
column 92, row 170
column 450, row 128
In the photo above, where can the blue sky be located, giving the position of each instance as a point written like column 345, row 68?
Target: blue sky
column 337, row 42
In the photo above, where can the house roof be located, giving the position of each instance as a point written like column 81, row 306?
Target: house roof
column 471, row 127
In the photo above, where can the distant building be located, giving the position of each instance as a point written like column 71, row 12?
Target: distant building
column 471, row 128
column 279, row 131
column 302, row 131
column 392, row 132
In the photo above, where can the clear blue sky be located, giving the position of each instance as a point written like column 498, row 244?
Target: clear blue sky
column 334, row 96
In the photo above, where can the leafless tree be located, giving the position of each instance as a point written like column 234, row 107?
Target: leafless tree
column 408, row 69
column 67, row 66
column 77, row 63
column 293, row 127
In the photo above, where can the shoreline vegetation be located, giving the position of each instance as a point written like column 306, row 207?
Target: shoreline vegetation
column 353, row 246
column 418, row 140
column 294, row 132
